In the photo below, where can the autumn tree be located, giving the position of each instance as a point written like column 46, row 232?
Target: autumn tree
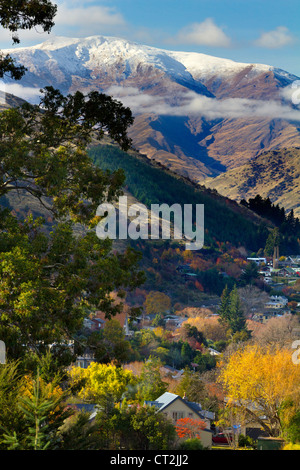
column 277, row 331
column 257, row 382
column 102, row 380
column 189, row 428
column 157, row 302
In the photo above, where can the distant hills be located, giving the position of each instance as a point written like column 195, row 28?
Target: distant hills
column 274, row 174
column 204, row 117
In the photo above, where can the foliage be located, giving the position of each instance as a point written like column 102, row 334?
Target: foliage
column 99, row 380
column 38, row 410
column 157, row 302
column 109, row 344
column 291, row 447
column 16, row 15
column 246, row 441
column 189, row 428
column 150, row 384
column 231, row 314
column 78, row 433
column 250, row 273
column 43, row 151
column 11, row 383
column 289, row 414
column 287, row 225
column 154, row 185
column 48, row 281
column 257, row 381
column 146, row 429
column 190, row 444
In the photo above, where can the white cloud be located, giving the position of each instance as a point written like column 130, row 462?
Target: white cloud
column 73, row 18
column 87, row 19
column 206, row 33
column 275, row 39
column 194, row 104
column 30, row 94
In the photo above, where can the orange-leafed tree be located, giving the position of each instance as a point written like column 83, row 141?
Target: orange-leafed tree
column 189, row 428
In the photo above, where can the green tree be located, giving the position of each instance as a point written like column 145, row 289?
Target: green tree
column 223, row 310
column 78, row 433
column 111, row 344
column 43, row 152
column 250, row 273
column 11, row 419
column 15, row 16
column 237, row 320
column 151, row 385
column 231, row 312
column 145, row 429
column 192, row 386
column 47, row 282
column 273, row 240
column 38, row 411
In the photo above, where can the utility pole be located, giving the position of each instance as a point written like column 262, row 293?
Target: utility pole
column 275, row 257
column 2, row 353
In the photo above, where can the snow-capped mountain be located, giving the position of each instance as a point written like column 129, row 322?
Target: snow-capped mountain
column 106, row 61
column 195, row 113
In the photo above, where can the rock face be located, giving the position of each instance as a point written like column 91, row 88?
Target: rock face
column 199, row 115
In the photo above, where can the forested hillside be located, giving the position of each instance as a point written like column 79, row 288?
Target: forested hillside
column 150, row 183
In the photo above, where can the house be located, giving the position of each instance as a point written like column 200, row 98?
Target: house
column 175, row 407
column 170, row 371
column 277, row 302
column 258, row 261
column 287, row 272
column 84, row 361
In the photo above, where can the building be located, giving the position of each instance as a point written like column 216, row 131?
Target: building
column 258, row 261
column 175, row 408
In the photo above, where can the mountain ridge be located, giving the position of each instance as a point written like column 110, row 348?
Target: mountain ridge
column 199, row 115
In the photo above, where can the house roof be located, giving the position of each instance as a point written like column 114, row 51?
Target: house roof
column 167, row 398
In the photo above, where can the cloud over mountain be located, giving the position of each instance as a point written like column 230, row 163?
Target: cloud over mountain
column 206, row 33
column 275, row 39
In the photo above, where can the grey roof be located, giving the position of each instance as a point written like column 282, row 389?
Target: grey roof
column 167, row 398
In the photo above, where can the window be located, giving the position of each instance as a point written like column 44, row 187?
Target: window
column 177, row 415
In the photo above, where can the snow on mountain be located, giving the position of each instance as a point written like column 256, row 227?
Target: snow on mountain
column 197, row 114
column 100, row 50
column 63, row 57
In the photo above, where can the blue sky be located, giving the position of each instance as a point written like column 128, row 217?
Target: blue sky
column 260, row 31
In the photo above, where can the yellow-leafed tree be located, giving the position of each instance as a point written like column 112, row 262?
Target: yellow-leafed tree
column 258, row 382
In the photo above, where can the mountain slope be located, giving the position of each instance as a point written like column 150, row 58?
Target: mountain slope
column 199, row 115
column 273, row 174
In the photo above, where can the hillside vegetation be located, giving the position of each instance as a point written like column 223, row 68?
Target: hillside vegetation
column 273, row 174
column 150, row 183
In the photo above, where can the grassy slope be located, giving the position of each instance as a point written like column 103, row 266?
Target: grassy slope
column 273, row 174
